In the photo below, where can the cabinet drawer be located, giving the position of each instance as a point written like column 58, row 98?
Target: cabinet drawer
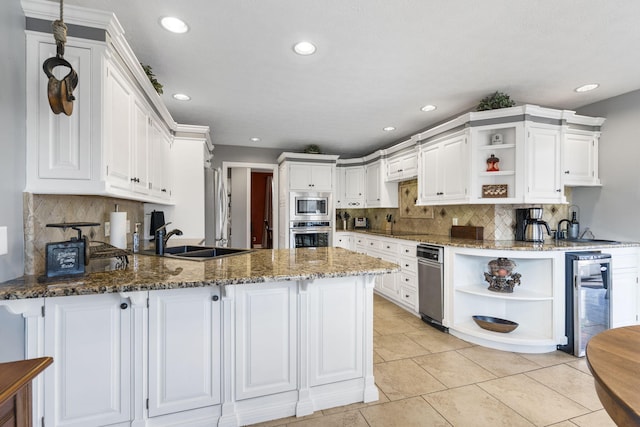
column 408, row 250
column 374, row 244
column 408, row 279
column 389, row 247
column 409, row 265
column 409, row 296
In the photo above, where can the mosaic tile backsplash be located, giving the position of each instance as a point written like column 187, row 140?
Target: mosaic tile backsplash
column 498, row 220
column 42, row 209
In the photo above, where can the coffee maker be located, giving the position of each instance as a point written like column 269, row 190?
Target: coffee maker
column 529, row 225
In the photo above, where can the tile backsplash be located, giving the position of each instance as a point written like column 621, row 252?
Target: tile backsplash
column 42, row 209
column 498, row 220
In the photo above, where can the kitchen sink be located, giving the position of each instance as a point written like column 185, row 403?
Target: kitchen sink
column 200, row 253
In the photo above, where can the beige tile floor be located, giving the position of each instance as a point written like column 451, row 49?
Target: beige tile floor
column 428, row 378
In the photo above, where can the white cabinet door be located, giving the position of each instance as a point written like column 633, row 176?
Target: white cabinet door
column 89, row 338
column 322, row 177
column 184, row 349
column 117, row 128
column 543, row 165
column 266, row 339
column 353, row 187
column 624, row 298
column 340, row 190
column 299, row 177
column 160, row 152
column 60, row 146
column 453, row 168
column 378, row 192
column 580, row 159
column 140, row 148
column 372, row 184
column 429, row 179
column 343, row 240
column 335, row 331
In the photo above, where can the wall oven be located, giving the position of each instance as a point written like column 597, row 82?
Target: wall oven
column 310, row 234
column 311, row 207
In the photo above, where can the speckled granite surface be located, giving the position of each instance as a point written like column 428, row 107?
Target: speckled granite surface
column 512, row 245
column 149, row 272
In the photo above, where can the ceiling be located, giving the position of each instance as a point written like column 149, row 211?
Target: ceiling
column 377, row 62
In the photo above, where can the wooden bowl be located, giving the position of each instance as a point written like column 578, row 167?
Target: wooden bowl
column 495, row 324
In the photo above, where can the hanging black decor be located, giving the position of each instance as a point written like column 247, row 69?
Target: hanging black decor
column 60, row 92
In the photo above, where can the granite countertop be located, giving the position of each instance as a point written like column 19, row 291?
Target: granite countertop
column 146, row 272
column 514, row 245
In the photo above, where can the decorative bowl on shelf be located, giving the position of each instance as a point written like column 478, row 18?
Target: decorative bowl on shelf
column 495, row 324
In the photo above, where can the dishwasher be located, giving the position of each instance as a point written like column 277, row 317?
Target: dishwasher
column 430, row 285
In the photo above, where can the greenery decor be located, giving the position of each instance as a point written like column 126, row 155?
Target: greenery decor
column 152, row 78
column 312, row 149
column 495, row 101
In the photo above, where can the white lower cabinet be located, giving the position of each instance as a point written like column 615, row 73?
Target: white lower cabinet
column 266, row 334
column 401, row 287
column 336, row 351
column 625, row 292
column 89, row 383
column 184, row 349
column 343, row 240
column 227, row 356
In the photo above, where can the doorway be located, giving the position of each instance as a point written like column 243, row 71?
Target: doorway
column 253, row 208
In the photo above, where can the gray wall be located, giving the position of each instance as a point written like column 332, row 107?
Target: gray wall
column 611, row 212
column 230, row 153
column 12, row 163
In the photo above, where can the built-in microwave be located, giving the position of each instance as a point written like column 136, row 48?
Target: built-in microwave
column 311, row 206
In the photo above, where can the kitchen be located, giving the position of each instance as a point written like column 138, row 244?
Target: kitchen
column 608, row 210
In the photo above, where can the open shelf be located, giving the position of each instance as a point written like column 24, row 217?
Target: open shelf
column 517, row 295
column 520, row 336
column 496, row 147
column 498, row 173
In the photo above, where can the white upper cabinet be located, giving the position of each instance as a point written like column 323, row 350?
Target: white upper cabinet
column 354, row 186
column 105, row 146
column 580, row 158
column 543, row 165
column 118, row 128
column 525, row 154
column 311, row 177
column 402, row 166
column 443, row 170
column 60, row 148
column 350, row 189
column 378, row 192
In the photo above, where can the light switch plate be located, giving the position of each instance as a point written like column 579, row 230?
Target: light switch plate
column 4, row 248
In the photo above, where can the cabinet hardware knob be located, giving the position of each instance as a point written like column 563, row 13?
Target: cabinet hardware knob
column 406, row 280
column 215, row 298
column 558, row 190
column 406, row 296
column 164, row 190
column 124, row 305
column 566, row 172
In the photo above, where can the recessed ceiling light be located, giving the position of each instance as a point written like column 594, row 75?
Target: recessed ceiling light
column 174, row 25
column 304, row 48
column 181, row 97
column 428, row 108
column 587, row 88
column 389, row 129
column 255, row 139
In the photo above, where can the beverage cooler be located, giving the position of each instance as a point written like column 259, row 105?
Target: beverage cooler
column 588, row 298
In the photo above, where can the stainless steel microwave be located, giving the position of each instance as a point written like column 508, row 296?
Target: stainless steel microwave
column 311, row 206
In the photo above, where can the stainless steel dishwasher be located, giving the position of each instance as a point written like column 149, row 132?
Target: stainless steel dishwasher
column 430, row 285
